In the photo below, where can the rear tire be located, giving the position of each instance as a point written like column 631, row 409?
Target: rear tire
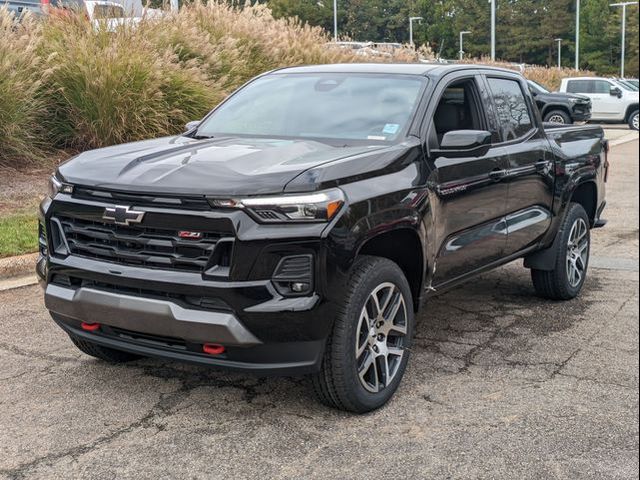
column 565, row 281
column 367, row 352
column 633, row 120
column 103, row 353
column 558, row 116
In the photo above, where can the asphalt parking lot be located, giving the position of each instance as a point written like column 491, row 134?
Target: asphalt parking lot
column 501, row 384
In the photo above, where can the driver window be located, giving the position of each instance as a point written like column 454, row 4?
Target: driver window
column 457, row 110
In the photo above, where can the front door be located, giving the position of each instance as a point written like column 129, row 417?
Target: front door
column 605, row 105
column 469, row 198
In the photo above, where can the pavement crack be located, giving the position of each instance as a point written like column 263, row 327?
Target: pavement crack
column 31, row 354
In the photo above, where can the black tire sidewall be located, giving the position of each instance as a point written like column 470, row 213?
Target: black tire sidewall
column 563, row 114
column 630, row 121
column 380, row 271
column 575, row 212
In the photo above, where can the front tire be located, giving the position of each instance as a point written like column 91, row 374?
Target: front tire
column 633, row 120
column 367, row 352
column 103, row 353
column 559, row 117
column 565, row 281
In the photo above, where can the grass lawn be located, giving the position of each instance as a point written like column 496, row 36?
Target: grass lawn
column 18, row 234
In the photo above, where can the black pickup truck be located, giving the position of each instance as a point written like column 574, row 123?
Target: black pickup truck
column 560, row 107
column 299, row 227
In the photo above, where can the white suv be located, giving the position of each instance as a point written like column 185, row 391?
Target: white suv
column 610, row 101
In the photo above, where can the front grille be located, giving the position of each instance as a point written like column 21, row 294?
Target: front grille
column 137, row 245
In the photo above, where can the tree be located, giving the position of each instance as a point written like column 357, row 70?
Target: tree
column 526, row 29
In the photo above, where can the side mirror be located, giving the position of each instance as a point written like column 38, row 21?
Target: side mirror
column 615, row 92
column 464, row 143
column 191, row 125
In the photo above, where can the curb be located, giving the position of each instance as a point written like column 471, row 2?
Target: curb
column 17, row 266
column 629, row 137
column 17, row 282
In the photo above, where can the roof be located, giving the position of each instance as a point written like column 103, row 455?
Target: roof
column 423, row 69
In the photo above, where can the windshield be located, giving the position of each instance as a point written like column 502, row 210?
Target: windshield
column 537, row 87
column 319, row 106
column 627, row 86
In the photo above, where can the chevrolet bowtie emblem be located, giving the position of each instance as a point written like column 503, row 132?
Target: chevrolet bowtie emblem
column 121, row 215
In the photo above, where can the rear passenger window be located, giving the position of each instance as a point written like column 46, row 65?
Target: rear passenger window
column 580, row 86
column 513, row 112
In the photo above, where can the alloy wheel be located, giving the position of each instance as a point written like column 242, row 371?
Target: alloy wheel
column 577, row 252
column 556, row 119
column 381, row 337
column 634, row 121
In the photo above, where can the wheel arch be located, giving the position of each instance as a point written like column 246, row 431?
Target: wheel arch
column 404, row 247
column 630, row 109
column 586, row 194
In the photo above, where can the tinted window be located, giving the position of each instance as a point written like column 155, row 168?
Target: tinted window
column 600, row 86
column 511, row 107
column 457, row 109
column 580, row 86
column 108, row 11
column 316, row 105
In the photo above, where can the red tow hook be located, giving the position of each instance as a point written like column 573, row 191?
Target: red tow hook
column 213, row 348
column 90, row 327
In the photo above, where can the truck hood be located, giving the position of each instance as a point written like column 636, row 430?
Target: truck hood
column 223, row 166
column 562, row 96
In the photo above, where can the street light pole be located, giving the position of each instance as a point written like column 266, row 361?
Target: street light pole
column 577, row 34
column 411, row 20
column 559, row 40
column 624, row 30
column 462, row 34
column 335, row 20
column 493, row 29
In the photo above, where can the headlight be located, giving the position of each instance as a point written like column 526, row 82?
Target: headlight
column 311, row 207
column 55, row 186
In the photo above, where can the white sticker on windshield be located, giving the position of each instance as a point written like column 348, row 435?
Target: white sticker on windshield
column 391, row 128
column 376, row 137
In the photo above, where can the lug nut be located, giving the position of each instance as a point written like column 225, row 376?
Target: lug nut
column 380, row 337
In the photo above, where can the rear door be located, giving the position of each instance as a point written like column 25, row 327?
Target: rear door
column 530, row 176
column 468, row 199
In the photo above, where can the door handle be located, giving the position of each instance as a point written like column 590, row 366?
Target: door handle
column 543, row 165
column 497, row 175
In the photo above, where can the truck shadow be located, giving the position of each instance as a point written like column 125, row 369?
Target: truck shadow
column 495, row 316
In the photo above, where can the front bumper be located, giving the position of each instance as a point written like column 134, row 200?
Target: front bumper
column 147, row 315
column 171, row 313
column 581, row 113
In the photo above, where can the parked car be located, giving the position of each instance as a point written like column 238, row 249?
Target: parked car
column 112, row 11
column 632, row 81
column 610, row 101
column 300, row 227
column 39, row 7
column 557, row 107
